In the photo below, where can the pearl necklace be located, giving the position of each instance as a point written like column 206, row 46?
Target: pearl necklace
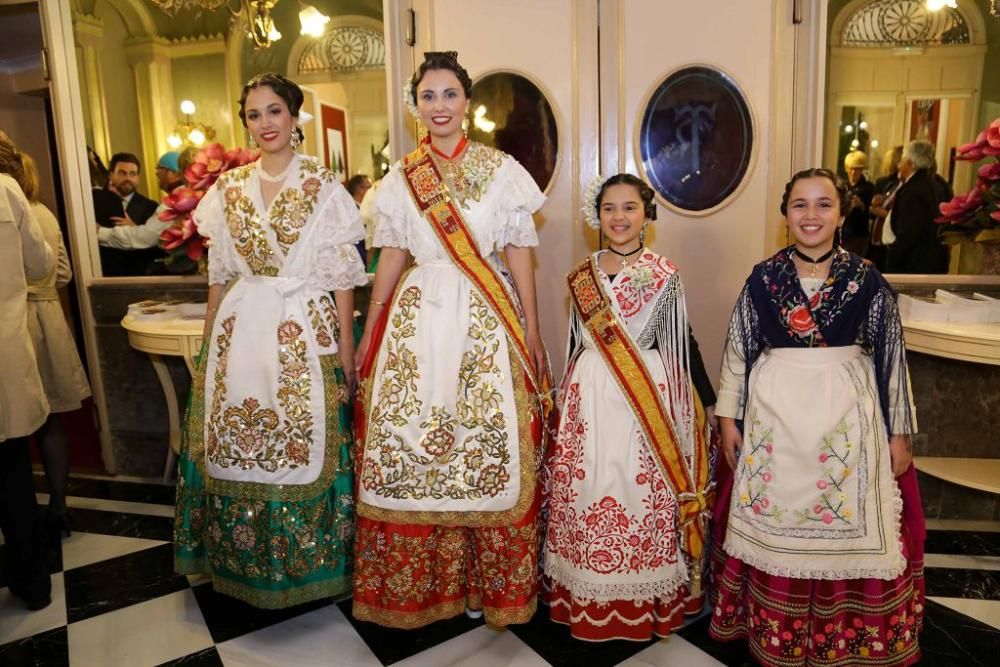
column 277, row 178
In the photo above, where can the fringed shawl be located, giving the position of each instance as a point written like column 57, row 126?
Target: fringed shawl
column 854, row 306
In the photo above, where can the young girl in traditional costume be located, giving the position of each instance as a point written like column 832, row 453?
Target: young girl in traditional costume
column 265, row 501
column 629, row 471
column 448, row 485
column 819, row 530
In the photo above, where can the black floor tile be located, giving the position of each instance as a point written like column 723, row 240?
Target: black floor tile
column 46, row 649
column 207, row 658
column 113, row 584
column 228, row 618
column 951, row 638
column 106, row 489
column 960, row 542
column 956, row 583
column 731, row 654
column 124, row 525
column 391, row 645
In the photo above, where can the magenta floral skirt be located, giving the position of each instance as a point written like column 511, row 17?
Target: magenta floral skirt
column 795, row 622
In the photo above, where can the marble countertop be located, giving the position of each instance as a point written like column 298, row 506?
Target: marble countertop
column 978, row 343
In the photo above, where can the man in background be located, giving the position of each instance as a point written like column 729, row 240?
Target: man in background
column 140, row 239
column 121, row 204
column 916, row 248
column 358, row 185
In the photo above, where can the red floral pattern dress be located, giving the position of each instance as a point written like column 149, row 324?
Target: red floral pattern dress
column 613, row 564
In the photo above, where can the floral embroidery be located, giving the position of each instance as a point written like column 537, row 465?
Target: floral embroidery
column 836, row 456
column 293, row 207
column 324, row 321
column 470, row 176
column 473, row 465
column 244, row 223
column 642, row 282
column 806, row 319
column 223, row 341
column 759, row 454
column 604, row 538
column 250, row 436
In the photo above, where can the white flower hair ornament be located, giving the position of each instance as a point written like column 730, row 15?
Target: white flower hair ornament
column 590, row 214
column 411, row 104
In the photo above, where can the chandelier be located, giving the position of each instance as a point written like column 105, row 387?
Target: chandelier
column 253, row 17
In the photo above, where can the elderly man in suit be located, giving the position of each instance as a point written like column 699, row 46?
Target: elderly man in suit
column 916, row 248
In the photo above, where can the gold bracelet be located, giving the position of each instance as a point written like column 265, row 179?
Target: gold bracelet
column 376, row 302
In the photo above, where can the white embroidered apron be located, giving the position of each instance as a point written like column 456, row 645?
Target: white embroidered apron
column 814, row 495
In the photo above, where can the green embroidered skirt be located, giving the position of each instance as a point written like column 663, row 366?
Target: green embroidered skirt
column 268, row 553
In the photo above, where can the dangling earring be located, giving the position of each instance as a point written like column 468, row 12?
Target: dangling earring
column 252, row 143
column 465, row 125
column 642, row 235
column 296, row 139
column 422, row 133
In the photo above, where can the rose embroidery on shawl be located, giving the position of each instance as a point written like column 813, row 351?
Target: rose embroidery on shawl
column 800, row 320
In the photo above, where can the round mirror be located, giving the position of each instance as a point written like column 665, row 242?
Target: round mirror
column 696, row 139
column 511, row 113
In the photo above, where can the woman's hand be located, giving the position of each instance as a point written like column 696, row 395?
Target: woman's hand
column 900, row 453
column 537, row 351
column 713, row 421
column 349, row 367
column 732, row 441
column 359, row 353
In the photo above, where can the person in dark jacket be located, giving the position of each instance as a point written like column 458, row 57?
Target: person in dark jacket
column 916, row 248
column 860, row 192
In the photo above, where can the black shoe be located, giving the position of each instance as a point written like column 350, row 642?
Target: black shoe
column 57, row 526
column 33, row 600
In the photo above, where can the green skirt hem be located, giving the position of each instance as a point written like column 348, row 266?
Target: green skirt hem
column 265, row 599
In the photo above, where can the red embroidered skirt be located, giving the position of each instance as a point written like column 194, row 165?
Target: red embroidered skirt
column 795, row 622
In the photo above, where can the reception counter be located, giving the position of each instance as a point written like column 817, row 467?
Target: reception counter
column 955, row 371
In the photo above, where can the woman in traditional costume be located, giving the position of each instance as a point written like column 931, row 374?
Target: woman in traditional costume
column 265, row 492
column 819, row 527
column 448, row 491
column 629, row 471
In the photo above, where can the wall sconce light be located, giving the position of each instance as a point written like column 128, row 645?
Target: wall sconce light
column 189, row 132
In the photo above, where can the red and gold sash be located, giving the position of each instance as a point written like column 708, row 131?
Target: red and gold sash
column 433, row 200
column 689, row 484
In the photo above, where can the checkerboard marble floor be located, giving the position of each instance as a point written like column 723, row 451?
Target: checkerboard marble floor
column 117, row 601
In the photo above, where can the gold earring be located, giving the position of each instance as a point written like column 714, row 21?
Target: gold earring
column 296, row 139
column 465, row 125
column 252, row 143
column 642, row 234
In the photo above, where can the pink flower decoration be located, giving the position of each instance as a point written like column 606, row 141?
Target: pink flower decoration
column 823, row 457
column 817, row 509
column 821, row 484
column 766, row 476
column 827, row 518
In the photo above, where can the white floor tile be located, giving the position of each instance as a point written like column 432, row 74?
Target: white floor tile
column 961, row 561
column 80, row 502
column 16, row 622
column 148, row 633
column 85, row 548
column 482, row 647
column 321, row 637
column 985, row 611
column 673, row 651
